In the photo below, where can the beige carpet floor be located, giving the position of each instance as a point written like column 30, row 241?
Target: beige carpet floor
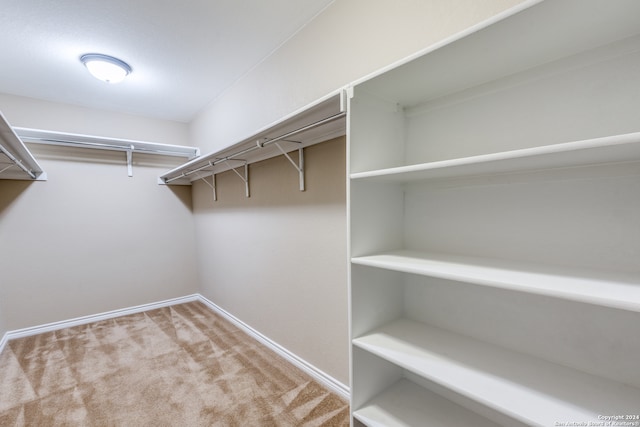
column 182, row 365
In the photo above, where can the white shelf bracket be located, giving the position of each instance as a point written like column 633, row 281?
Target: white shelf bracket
column 130, row 161
column 299, row 166
column 16, row 162
column 8, row 167
column 244, row 178
column 212, row 185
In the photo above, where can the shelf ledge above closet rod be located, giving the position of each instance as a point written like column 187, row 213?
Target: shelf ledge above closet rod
column 46, row 137
column 319, row 122
column 16, row 161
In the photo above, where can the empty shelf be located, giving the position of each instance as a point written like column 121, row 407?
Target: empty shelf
column 527, row 389
column 604, row 289
column 407, row 404
column 611, row 149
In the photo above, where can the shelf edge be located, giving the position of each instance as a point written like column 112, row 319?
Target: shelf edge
column 469, row 272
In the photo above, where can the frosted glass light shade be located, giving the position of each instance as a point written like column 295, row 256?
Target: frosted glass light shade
column 106, row 68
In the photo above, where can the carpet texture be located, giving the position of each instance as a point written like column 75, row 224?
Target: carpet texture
column 182, row 365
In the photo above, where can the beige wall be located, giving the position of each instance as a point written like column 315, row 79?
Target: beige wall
column 277, row 260
column 91, row 239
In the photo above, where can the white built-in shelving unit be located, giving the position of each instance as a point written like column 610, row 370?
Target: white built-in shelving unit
column 494, row 224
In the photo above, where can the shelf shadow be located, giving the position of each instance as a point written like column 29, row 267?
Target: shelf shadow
column 10, row 190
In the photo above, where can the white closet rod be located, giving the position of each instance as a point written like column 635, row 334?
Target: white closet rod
column 257, row 146
column 303, row 128
column 17, row 163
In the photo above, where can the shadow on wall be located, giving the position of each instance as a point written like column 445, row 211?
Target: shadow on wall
column 274, row 182
column 10, row 190
column 183, row 193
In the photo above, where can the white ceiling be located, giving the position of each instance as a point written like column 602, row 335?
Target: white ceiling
column 183, row 53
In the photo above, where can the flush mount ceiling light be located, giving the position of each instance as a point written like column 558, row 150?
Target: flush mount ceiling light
column 106, row 68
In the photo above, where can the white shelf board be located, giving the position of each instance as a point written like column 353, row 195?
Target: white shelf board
column 407, row 404
column 17, row 151
column 610, row 149
column 65, row 139
column 328, row 110
column 615, row 290
column 527, row 389
column 500, row 47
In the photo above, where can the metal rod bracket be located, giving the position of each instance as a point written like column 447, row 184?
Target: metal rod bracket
column 299, row 166
column 130, row 161
column 212, row 185
column 4, row 169
column 16, row 162
column 244, row 178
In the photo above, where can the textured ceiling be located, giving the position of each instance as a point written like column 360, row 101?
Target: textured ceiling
column 183, row 53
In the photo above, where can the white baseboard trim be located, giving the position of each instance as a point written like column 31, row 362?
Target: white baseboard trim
column 307, row 367
column 35, row 330
column 3, row 341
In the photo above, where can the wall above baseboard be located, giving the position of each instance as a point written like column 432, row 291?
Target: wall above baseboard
column 319, row 375
column 48, row 327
